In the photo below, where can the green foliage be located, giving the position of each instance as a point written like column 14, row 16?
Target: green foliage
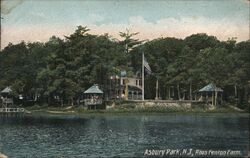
column 59, row 70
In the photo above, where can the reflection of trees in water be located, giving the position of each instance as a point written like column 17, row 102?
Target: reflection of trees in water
column 122, row 135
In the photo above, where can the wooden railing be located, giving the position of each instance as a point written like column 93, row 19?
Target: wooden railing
column 92, row 101
column 7, row 101
column 12, row 110
column 134, row 97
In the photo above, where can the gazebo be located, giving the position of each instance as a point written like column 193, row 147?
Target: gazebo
column 213, row 90
column 7, row 98
column 93, row 97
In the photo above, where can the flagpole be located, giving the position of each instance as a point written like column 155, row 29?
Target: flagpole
column 142, row 76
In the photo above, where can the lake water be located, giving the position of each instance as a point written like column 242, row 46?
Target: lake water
column 122, row 135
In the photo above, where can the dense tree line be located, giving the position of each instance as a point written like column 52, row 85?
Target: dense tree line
column 59, row 70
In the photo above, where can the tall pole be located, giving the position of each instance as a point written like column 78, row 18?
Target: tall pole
column 110, row 88
column 126, row 89
column 142, row 76
column 190, row 91
column 215, row 98
column 156, row 90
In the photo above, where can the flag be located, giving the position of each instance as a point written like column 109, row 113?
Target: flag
column 147, row 67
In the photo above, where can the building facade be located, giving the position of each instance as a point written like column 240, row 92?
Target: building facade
column 125, row 88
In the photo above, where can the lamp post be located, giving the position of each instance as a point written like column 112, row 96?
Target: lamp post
column 118, row 84
column 157, row 89
column 110, row 88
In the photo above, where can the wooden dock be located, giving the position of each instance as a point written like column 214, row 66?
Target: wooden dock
column 12, row 110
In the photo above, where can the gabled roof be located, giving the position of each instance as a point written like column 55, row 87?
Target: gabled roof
column 210, row 88
column 6, row 90
column 93, row 90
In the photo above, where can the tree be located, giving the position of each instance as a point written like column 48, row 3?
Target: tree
column 128, row 41
column 59, row 70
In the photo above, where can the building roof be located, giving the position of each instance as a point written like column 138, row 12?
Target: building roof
column 133, row 87
column 210, row 88
column 93, row 90
column 6, row 90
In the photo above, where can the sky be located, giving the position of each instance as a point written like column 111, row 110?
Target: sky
column 38, row 20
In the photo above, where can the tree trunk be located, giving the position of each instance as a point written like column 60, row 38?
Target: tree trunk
column 212, row 98
column 72, row 101
column 178, row 91
column 190, row 92
column 246, row 94
column 169, row 93
column 221, row 101
column 215, row 100
column 61, row 102
column 156, row 90
column 235, row 90
column 49, row 100
column 36, row 96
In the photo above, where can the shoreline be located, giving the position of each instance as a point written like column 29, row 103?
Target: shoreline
column 69, row 110
column 45, row 114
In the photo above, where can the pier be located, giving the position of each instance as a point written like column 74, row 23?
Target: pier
column 12, row 110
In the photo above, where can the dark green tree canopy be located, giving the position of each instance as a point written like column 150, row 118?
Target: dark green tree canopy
column 61, row 69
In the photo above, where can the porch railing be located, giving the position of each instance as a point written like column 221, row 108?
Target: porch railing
column 92, row 101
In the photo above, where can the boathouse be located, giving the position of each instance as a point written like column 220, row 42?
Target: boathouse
column 93, row 97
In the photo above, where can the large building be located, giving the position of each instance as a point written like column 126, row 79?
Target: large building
column 127, row 88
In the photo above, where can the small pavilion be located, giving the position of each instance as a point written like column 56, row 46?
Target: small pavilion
column 213, row 91
column 93, row 97
column 6, row 97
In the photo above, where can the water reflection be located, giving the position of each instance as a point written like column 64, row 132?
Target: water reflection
column 96, row 136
